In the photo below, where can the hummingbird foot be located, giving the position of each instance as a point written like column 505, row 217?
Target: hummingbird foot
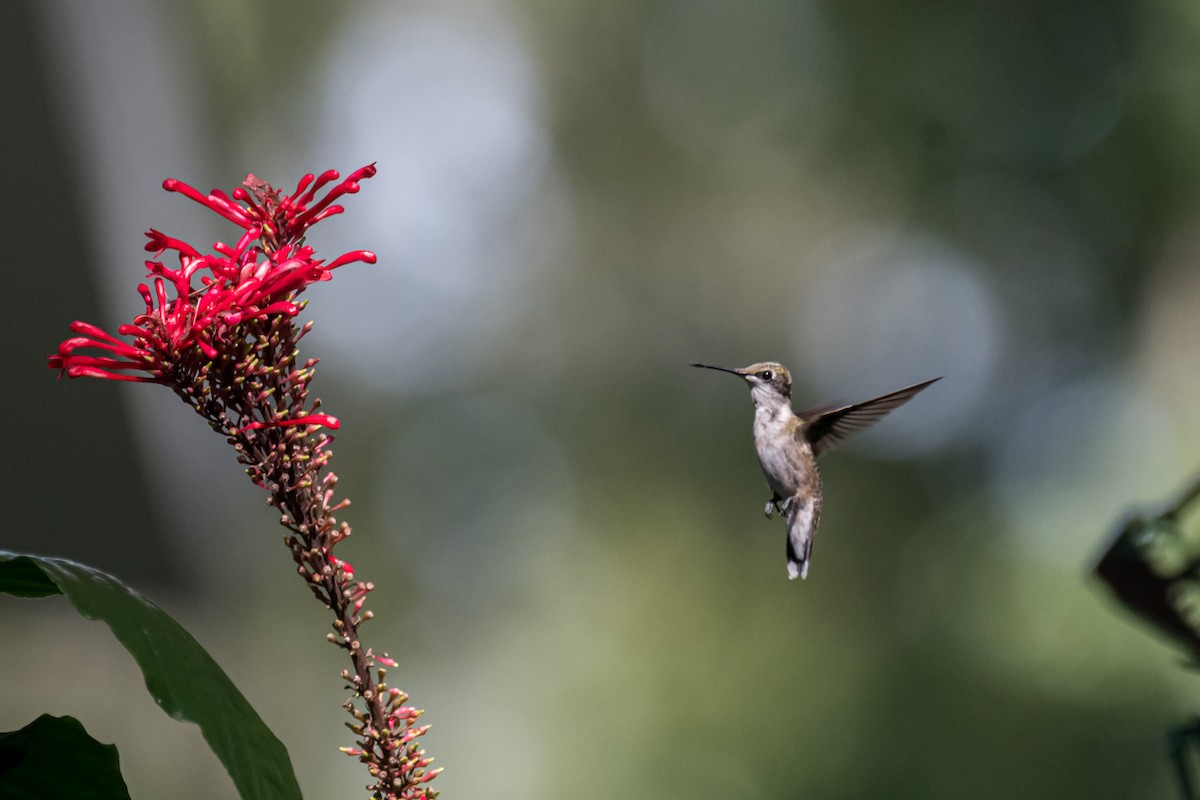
column 773, row 505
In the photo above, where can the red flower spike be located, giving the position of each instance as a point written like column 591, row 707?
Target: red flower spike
column 220, row 329
column 239, row 285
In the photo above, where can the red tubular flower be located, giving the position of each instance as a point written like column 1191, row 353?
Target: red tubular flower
column 192, row 312
column 220, row 330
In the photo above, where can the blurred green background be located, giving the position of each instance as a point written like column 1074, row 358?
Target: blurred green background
column 576, row 199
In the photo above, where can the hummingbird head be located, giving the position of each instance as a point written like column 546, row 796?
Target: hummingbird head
column 770, row 382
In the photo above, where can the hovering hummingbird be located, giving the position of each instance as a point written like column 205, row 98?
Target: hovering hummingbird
column 788, row 445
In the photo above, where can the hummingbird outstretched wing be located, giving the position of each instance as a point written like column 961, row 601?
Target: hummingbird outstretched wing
column 825, row 426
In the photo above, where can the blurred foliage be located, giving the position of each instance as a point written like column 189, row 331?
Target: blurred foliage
column 1152, row 566
column 183, row 679
column 55, row 757
column 574, row 201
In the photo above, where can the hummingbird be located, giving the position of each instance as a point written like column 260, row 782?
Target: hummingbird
column 788, row 444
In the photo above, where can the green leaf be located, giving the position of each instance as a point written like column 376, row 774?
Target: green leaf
column 55, row 757
column 21, row 577
column 181, row 677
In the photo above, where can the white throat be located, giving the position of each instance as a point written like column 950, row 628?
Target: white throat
column 770, row 404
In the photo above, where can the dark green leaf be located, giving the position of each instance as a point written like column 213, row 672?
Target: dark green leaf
column 22, row 578
column 181, row 677
column 55, row 757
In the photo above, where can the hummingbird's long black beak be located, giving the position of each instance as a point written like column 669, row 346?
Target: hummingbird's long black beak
column 721, row 369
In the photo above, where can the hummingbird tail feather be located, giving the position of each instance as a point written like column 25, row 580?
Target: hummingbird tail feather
column 802, row 523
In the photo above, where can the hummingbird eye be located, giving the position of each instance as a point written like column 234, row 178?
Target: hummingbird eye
column 766, row 375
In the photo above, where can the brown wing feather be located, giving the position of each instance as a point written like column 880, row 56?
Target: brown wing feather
column 826, row 426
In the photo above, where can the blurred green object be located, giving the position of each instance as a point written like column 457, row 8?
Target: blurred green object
column 1185, row 756
column 182, row 677
column 55, row 757
column 1153, row 567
